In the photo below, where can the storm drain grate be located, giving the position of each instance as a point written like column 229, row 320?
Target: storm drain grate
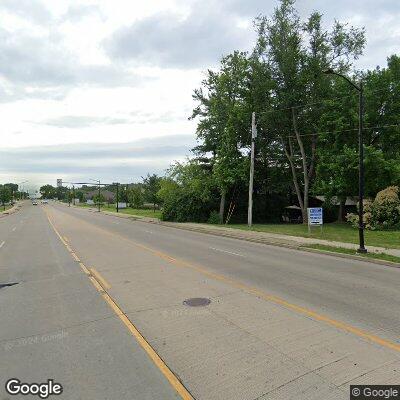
column 197, row 302
column 2, row 285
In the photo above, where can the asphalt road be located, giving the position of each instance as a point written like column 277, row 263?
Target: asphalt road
column 56, row 324
column 363, row 294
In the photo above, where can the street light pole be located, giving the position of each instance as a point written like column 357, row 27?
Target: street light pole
column 99, row 196
column 360, row 90
column 361, row 179
column 117, row 197
column 251, row 179
column 23, row 193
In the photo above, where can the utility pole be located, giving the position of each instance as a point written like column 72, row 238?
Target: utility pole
column 361, row 182
column 73, row 194
column 117, row 197
column 99, row 196
column 253, row 138
column 361, row 248
column 69, row 196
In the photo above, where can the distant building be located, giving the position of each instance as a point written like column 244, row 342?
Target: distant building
column 108, row 196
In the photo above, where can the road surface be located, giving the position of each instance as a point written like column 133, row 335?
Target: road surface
column 99, row 307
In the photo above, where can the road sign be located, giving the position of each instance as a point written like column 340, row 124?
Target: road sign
column 314, row 216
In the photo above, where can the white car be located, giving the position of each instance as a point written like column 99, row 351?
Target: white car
column 44, row 201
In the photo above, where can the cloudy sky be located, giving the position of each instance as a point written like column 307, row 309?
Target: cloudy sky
column 102, row 89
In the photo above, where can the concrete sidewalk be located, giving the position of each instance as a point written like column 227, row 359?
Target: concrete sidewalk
column 274, row 238
column 252, row 236
column 11, row 210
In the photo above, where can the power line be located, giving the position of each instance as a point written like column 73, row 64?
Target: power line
column 347, row 130
column 318, row 102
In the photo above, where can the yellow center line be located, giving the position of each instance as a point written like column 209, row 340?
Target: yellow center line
column 101, row 285
column 100, row 279
column 261, row 294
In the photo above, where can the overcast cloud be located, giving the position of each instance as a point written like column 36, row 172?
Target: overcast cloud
column 86, row 84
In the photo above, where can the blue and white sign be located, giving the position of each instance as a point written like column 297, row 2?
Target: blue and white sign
column 314, row 216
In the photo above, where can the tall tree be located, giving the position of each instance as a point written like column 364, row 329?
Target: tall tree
column 224, row 126
column 151, row 186
column 48, row 191
column 296, row 53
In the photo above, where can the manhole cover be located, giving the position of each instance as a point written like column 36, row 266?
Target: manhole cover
column 197, row 302
column 2, row 285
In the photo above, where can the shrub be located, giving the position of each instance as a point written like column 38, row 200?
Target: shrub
column 382, row 213
column 214, row 217
column 184, row 206
column 386, row 208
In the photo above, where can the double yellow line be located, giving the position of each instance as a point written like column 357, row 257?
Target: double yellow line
column 102, row 286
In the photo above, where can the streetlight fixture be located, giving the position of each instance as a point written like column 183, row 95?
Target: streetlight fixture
column 22, row 183
column 360, row 90
column 98, row 181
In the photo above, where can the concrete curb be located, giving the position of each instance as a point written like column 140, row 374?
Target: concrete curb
column 267, row 241
column 351, row 257
column 11, row 210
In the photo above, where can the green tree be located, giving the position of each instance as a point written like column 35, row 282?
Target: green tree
column 97, row 198
column 48, row 191
column 224, row 125
column 5, row 195
column 79, row 194
column 187, row 193
column 136, row 196
column 151, row 186
column 296, row 53
column 13, row 187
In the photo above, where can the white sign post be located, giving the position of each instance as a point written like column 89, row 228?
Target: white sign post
column 314, row 217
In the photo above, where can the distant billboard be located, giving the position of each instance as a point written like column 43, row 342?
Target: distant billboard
column 59, row 182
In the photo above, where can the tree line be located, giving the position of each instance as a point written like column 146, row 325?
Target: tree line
column 9, row 192
column 307, row 124
column 136, row 195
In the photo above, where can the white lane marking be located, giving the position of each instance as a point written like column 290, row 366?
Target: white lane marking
column 226, row 251
column 13, row 229
column 2, row 244
column 149, row 231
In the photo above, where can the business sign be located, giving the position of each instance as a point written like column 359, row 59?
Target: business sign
column 314, row 216
column 121, row 205
column 59, row 182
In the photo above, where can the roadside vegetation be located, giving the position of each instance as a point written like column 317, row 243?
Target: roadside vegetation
column 375, row 256
column 339, row 232
column 306, row 148
column 307, row 128
column 5, row 207
column 140, row 212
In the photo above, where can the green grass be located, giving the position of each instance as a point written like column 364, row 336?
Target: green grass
column 334, row 231
column 140, row 212
column 7, row 208
column 379, row 256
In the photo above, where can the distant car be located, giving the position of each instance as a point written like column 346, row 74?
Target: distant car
column 44, row 201
column 34, row 203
